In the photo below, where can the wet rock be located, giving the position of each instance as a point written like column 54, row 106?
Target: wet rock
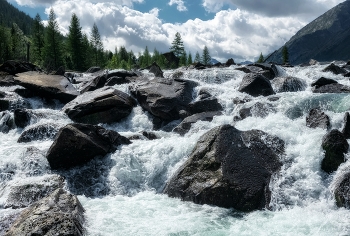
column 76, row 144
column 204, row 105
column 115, row 80
column 93, row 69
column 164, row 98
column 257, row 110
column 346, row 128
column 323, row 81
column 229, row 168
column 271, row 68
column 288, row 84
column 105, row 105
column 332, row 88
column 96, row 83
column 6, row 122
column 171, row 59
column 11, row 101
column 47, row 86
column 317, row 119
column 14, row 67
column 156, row 70
column 149, row 135
column 39, row 132
column 230, row 62
column 60, row 213
column 34, row 162
column 31, row 189
column 334, row 69
column 6, row 80
column 186, row 124
column 335, row 145
column 256, row 85
column 239, row 100
column 342, row 191
column 21, row 117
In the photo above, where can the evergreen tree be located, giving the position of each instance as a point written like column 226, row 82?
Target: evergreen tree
column 123, row 54
column 189, row 59
column 183, row 59
column 285, row 54
column 206, row 56
column 75, row 44
column 97, row 46
column 197, row 58
column 38, row 39
column 261, row 58
column 87, row 51
column 5, row 49
column 146, row 60
column 53, row 57
column 178, row 46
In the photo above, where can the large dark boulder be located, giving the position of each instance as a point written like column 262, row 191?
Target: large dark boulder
column 6, row 122
column 15, row 67
column 6, row 80
column 317, row 119
column 156, row 70
column 346, row 128
column 288, row 84
column 230, row 62
column 332, row 88
column 76, row 144
column 256, row 85
column 186, row 124
column 47, row 86
column 335, row 145
column 334, row 69
column 229, row 168
column 257, row 110
column 323, row 81
column 271, row 68
column 172, row 61
column 204, row 105
column 60, row 213
column 164, row 98
column 341, row 190
column 105, row 105
column 39, row 132
column 21, row 117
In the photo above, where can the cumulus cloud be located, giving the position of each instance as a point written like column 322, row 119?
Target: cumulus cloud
column 180, row 5
column 34, row 3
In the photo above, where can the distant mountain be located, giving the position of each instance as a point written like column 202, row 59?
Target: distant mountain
column 213, row 61
column 10, row 14
column 325, row 39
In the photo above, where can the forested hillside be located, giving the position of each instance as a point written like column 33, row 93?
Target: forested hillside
column 9, row 14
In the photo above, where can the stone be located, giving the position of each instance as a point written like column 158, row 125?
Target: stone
column 230, row 62
column 47, row 86
column 317, row 119
column 93, row 69
column 60, row 213
column 76, row 144
column 323, row 81
column 156, row 70
column 256, row 85
column 346, row 128
column 6, row 80
column 6, row 122
column 205, row 105
column 13, row 67
column 335, row 145
column 257, row 110
column 39, row 132
column 104, row 105
column 341, row 190
column 288, row 84
column 229, row 168
column 271, row 68
column 334, row 69
column 332, row 88
column 21, row 117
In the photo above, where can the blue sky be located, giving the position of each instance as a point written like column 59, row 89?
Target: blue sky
column 237, row 29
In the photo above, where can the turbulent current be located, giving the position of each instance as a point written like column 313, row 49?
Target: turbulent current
column 122, row 192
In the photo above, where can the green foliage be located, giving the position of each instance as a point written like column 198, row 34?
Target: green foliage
column 285, row 54
column 189, row 59
column 75, row 44
column 37, row 40
column 206, row 56
column 178, row 46
column 197, row 58
column 5, row 50
column 183, row 60
column 97, row 46
column 261, row 58
column 53, row 56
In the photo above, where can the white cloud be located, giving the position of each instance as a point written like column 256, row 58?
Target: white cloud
column 35, row 3
column 180, row 5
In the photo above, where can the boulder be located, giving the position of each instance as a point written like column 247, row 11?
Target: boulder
column 156, row 70
column 257, row 110
column 105, row 105
column 34, row 162
column 229, row 168
column 334, row 69
column 323, row 81
column 230, row 62
column 39, row 132
column 31, row 189
column 11, row 101
column 96, row 83
column 6, row 122
column 313, row 62
column 149, row 135
column 341, row 190
column 317, row 119
column 171, row 59
column 21, row 117
column 335, row 145
column 204, row 105
column 186, row 124
column 271, row 68
column 93, row 69
column 332, row 88
column 47, row 86
column 256, row 85
column 6, row 80
column 76, row 144
column 60, row 213
column 115, row 80
column 288, row 84
column 164, row 98
column 14, row 67
column 346, row 128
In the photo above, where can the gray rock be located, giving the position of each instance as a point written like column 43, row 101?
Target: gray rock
column 204, row 105
column 342, row 191
column 229, row 168
column 334, row 69
column 39, row 132
column 256, row 85
column 21, row 117
column 346, row 128
column 288, row 84
column 317, row 119
column 6, row 122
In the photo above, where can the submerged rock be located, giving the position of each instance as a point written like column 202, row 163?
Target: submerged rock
column 335, row 146
column 288, row 84
column 6, row 122
column 256, row 85
column 341, row 190
column 21, row 117
column 39, row 132
column 257, row 110
column 332, row 88
column 229, row 168
column 60, row 213
column 317, row 119
column 76, row 144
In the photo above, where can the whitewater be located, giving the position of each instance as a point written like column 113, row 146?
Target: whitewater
column 122, row 192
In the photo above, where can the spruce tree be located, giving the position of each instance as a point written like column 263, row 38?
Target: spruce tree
column 197, row 58
column 178, row 46
column 75, row 43
column 261, row 58
column 189, row 59
column 183, row 59
column 5, row 45
column 146, row 59
column 53, row 57
column 206, row 56
column 97, row 46
column 285, row 54
column 38, row 39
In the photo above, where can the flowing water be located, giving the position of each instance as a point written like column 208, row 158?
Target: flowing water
column 122, row 192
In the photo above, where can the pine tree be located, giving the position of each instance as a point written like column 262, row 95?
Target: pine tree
column 189, row 59
column 197, row 58
column 285, row 54
column 146, row 60
column 75, row 43
column 38, row 39
column 178, row 46
column 206, row 56
column 5, row 49
column 261, row 58
column 97, row 46
column 53, row 57
column 183, row 59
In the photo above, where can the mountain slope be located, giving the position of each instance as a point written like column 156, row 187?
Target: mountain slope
column 326, row 38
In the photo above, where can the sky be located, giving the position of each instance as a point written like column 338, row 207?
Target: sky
column 238, row 29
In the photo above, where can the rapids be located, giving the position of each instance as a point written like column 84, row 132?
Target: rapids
column 122, row 194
